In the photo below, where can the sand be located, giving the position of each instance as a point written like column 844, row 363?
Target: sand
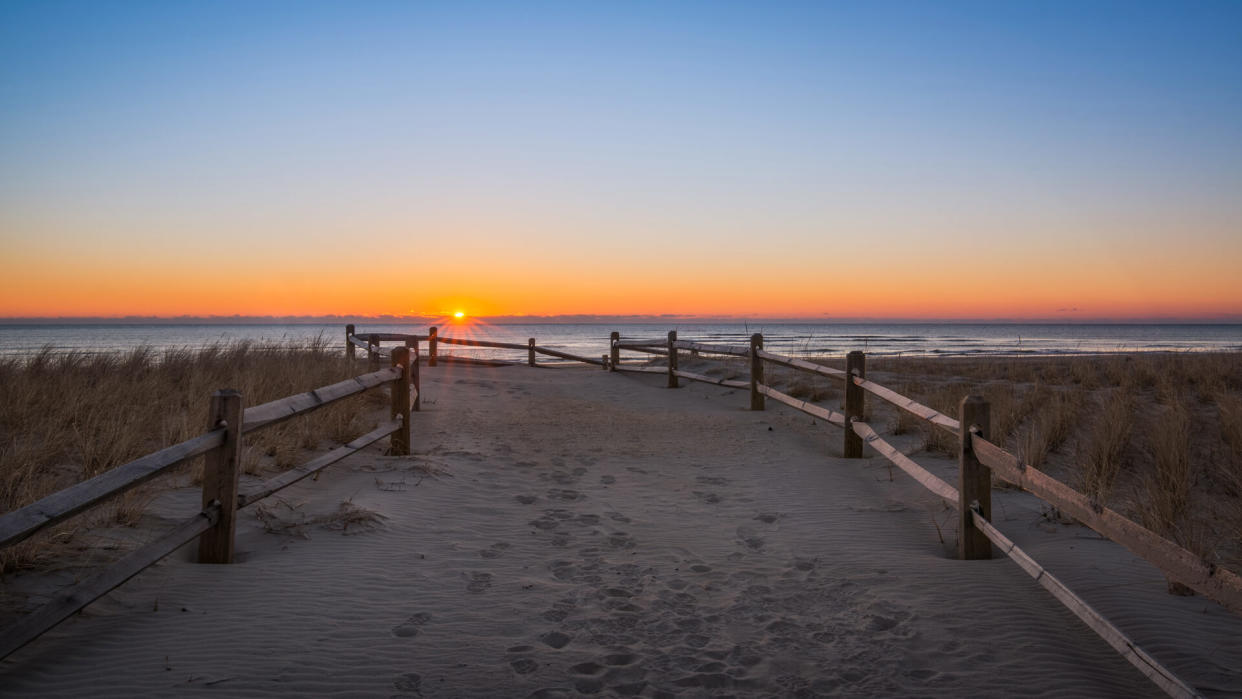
column 569, row 531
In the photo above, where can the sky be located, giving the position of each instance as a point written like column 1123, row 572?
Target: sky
column 946, row 160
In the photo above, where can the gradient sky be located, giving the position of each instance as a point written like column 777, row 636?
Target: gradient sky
column 922, row 159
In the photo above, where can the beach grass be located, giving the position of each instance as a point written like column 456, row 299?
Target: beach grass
column 69, row 416
column 1156, row 436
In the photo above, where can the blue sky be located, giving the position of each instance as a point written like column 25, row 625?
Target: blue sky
column 1026, row 129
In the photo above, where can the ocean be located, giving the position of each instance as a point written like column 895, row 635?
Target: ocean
column 591, row 339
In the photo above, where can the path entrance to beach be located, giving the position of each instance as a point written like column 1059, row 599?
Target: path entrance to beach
column 574, row 532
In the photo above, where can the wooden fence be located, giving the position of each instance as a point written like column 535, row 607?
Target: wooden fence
column 214, row 525
column 979, row 460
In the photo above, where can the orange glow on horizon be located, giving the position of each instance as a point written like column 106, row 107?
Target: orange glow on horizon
column 919, row 284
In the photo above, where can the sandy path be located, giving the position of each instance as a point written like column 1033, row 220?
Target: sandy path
column 596, row 533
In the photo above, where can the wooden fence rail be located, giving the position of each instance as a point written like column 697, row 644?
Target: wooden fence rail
column 979, row 459
column 370, row 342
column 1180, row 565
column 214, row 525
column 707, row 348
column 809, row 408
column 26, row 521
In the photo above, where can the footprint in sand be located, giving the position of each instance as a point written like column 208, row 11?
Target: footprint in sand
column 767, row 517
column 587, row 668
column 750, row 538
column 545, row 522
column 555, row 639
column 607, row 480
column 621, row 540
column 525, row 499
column 564, row 494
column 411, row 626
column 524, row 666
column 479, row 582
column 496, row 550
column 409, row 682
column 709, row 498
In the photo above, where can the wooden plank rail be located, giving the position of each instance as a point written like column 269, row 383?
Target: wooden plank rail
column 278, row 483
column 393, row 337
column 1219, row 584
column 638, row 344
column 728, row 383
column 1146, row 664
column 22, row 523
column 642, row 369
column 794, row 363
column 566, row 355
column 810, row 409
column 909, row 405
column 359, row 342
column 648, row 350
column 731, row 350
column 68, row 602
column 481, row 343
column 277, row 411
column 905, row 463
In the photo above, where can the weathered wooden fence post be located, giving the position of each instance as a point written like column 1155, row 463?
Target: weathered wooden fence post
column 756, row 373
column 432, row 335
column 614, row 352
column 349, row 345
column 530, row 351
column 400, row 441
column 604, row 363
column 672, row 359
column 412, row 344
column 373, row 352
column 855, row 365
column 221, row 468
column 974, row 481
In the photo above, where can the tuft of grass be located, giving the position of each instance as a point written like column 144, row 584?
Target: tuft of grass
column 1168, row 489
column 1052, row 425
column 1104, row 445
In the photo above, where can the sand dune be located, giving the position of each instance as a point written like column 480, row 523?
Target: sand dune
column 590, row 533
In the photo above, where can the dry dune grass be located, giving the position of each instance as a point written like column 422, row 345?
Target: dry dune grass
column 1156, row 436
column 65, row 417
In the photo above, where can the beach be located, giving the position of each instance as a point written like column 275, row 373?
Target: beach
column 568, row 531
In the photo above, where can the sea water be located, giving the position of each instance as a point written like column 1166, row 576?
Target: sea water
column 591, row 339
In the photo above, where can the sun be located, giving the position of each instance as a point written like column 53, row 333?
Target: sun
column 459, row 314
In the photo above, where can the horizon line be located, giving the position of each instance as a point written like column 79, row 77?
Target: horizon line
column 576, row 318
